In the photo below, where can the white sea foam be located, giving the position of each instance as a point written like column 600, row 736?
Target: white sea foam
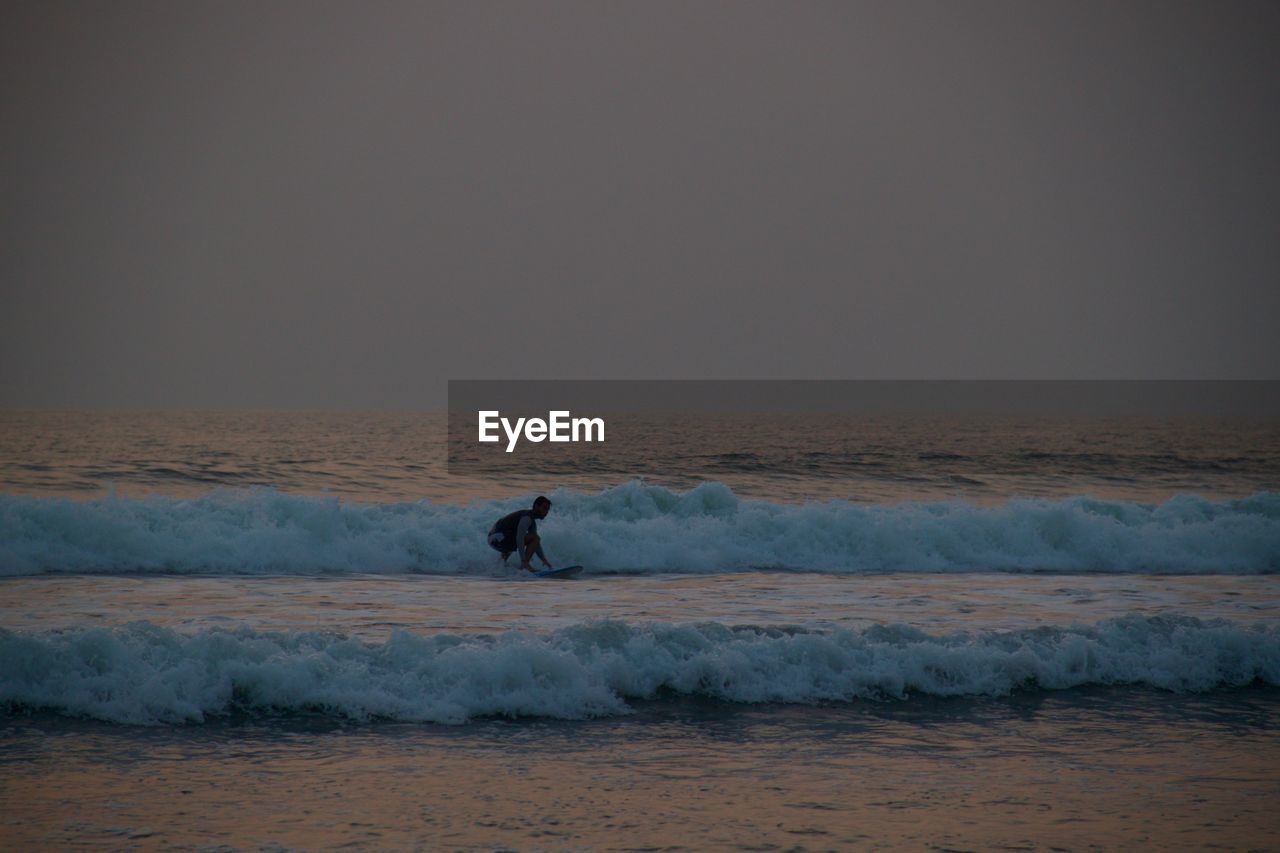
column 637, row 528
column 143, row 674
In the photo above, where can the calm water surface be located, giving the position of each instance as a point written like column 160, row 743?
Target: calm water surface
column 383, row 457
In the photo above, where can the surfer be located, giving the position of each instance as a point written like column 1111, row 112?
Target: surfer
column 519, row 532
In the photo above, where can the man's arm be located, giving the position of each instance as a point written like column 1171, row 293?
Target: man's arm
column 527, row 550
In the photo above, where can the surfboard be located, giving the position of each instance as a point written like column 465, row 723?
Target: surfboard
column 560, row 574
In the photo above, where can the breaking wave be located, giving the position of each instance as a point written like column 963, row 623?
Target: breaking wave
column 636, row 528
column 144, row 674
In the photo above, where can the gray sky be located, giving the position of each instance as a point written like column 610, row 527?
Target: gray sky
column 335, row 204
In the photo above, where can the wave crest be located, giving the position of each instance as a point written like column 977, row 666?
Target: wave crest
column 637, row 528
column 143, row 674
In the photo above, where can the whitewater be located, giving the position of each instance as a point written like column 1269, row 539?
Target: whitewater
column 144, row 674
column 636, row 528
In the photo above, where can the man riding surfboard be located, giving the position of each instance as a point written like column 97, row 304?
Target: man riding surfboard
column 518, row 531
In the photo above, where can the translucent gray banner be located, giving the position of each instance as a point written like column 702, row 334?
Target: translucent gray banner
column 593, row 429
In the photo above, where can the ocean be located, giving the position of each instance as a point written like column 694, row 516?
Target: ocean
column 285, row 630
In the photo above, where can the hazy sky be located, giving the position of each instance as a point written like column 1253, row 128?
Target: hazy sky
column 283, row 204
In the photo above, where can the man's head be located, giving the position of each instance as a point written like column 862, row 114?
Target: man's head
column 541, row 506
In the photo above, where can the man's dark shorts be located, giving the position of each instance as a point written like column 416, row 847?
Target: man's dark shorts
column 501, row 544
